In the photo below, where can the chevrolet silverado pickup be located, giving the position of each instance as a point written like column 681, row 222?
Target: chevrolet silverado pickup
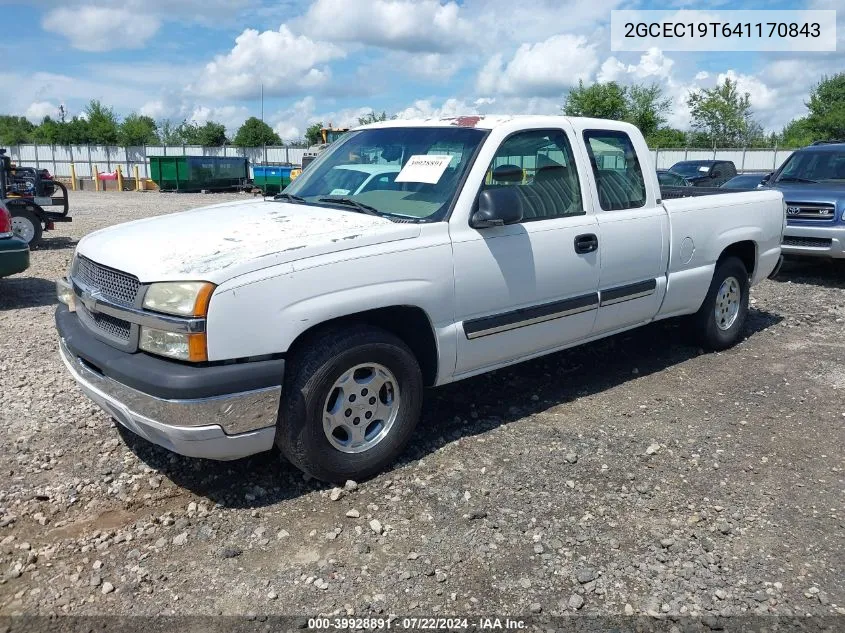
column 315, row 319
column 812, row 181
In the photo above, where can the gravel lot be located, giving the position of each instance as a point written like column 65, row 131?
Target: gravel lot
column 633, row 475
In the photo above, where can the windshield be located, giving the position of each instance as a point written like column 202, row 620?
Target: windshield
column 402, row 172
column 813, row 167
column 690, row 168
column 669, row 179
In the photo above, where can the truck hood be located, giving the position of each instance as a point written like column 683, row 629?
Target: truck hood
column 223, row 241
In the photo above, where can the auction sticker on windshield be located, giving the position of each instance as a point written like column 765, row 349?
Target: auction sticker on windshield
column 426, row 168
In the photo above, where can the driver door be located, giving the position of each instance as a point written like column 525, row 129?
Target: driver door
column 528, row 287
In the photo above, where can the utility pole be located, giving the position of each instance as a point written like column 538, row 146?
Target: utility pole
column 262, row 102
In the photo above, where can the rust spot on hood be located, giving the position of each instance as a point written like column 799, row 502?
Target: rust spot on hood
column 466, row 121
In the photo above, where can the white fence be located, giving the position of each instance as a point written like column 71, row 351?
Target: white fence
column 57, row 159
column 764, row 160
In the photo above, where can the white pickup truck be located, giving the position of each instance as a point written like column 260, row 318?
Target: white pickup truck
column 315, row 320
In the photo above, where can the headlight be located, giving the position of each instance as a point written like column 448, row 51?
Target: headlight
column 189, row 347
column 64, row 293
column 182, row 298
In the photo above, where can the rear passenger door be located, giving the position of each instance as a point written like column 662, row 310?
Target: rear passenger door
column 525, row 288
column 634, row 231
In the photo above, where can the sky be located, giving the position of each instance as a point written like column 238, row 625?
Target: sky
column 334, row 60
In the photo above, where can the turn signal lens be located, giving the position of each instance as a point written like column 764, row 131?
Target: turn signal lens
column 176, row 345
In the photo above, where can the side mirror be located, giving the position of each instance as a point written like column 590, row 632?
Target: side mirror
column 767, row 177
column 497, row 207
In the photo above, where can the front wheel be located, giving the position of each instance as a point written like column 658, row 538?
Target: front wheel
column 352, row 398
column 720, row 321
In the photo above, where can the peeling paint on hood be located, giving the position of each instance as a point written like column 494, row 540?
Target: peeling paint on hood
column 223, row 241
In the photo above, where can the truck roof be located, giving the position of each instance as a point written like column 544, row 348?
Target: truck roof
column 492, row 121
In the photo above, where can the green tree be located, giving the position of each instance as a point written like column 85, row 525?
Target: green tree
column 312, row 133
column 372, row 117
column 137, row 129
column 48, row 131
column 15, row 130
column 797, row 133
column 209, row 134
column 168, row 132
column 647, row 109
column 667, row 137
column 254, row 133
column 827, row 108
column 600, row 100
column 102, row 123
column 724, row 114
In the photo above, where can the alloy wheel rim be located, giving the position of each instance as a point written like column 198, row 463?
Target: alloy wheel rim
column 727, row 303
column 361, row 408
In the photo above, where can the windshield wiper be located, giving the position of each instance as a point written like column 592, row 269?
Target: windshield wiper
column 349, row 202
column 289, row 197
column 796, row 179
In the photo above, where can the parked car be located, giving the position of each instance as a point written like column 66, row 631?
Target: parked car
column 744, row 181
column 705, row 173
column 315, row 321
column 812, row 180
column 668, row 178
column 14, row 252
column 358, row 178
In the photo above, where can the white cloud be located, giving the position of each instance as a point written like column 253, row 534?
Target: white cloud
column 291, row 122
column 39, row 109
column 99, row 29
column 653, row 65
column 285, row 63
column 408, row 25
column 230, row 116
column 542, row 69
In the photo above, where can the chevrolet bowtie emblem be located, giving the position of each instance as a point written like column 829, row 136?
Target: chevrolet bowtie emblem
column 89, row 299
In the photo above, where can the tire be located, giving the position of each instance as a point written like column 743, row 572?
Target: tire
column 25, row 224
column 724, row 331
column 311, row 403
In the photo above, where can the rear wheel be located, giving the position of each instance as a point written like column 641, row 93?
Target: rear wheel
column 352, row 398
column 25, row 224
column 720, row 321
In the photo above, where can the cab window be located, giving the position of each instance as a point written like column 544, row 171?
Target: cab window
column 616, row 167
column 539, row 164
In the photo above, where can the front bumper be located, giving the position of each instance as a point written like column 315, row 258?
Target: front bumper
column 814, row 241
column 219, row 426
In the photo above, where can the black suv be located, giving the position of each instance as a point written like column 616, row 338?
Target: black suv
column 705, row 173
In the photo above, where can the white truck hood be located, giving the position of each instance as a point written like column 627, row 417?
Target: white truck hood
column 223, row 241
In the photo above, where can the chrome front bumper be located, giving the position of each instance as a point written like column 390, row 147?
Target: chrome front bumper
column 814, row 241
column 195, row 428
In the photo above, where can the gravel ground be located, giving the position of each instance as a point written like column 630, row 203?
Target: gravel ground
column 634, row 475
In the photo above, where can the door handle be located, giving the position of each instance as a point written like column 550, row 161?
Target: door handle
column 586, row 243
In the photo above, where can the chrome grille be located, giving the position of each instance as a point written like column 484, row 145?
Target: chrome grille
column 110, row 326
column 810, row 211
column 815, row 242
column 112, row 284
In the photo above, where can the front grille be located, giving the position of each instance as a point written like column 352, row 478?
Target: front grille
column 114, row 285
column 810, row 211
column 817, row 242
column 112, row 327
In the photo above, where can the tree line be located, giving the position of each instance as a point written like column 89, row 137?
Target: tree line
column 99, row 125
column 721, row 116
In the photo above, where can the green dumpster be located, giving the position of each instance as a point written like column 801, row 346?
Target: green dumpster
column 198, row 173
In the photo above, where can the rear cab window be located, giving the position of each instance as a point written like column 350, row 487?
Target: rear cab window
column 619, row 177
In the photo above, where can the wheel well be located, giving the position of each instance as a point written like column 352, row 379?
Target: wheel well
column 746, row 251
column 409, row 323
